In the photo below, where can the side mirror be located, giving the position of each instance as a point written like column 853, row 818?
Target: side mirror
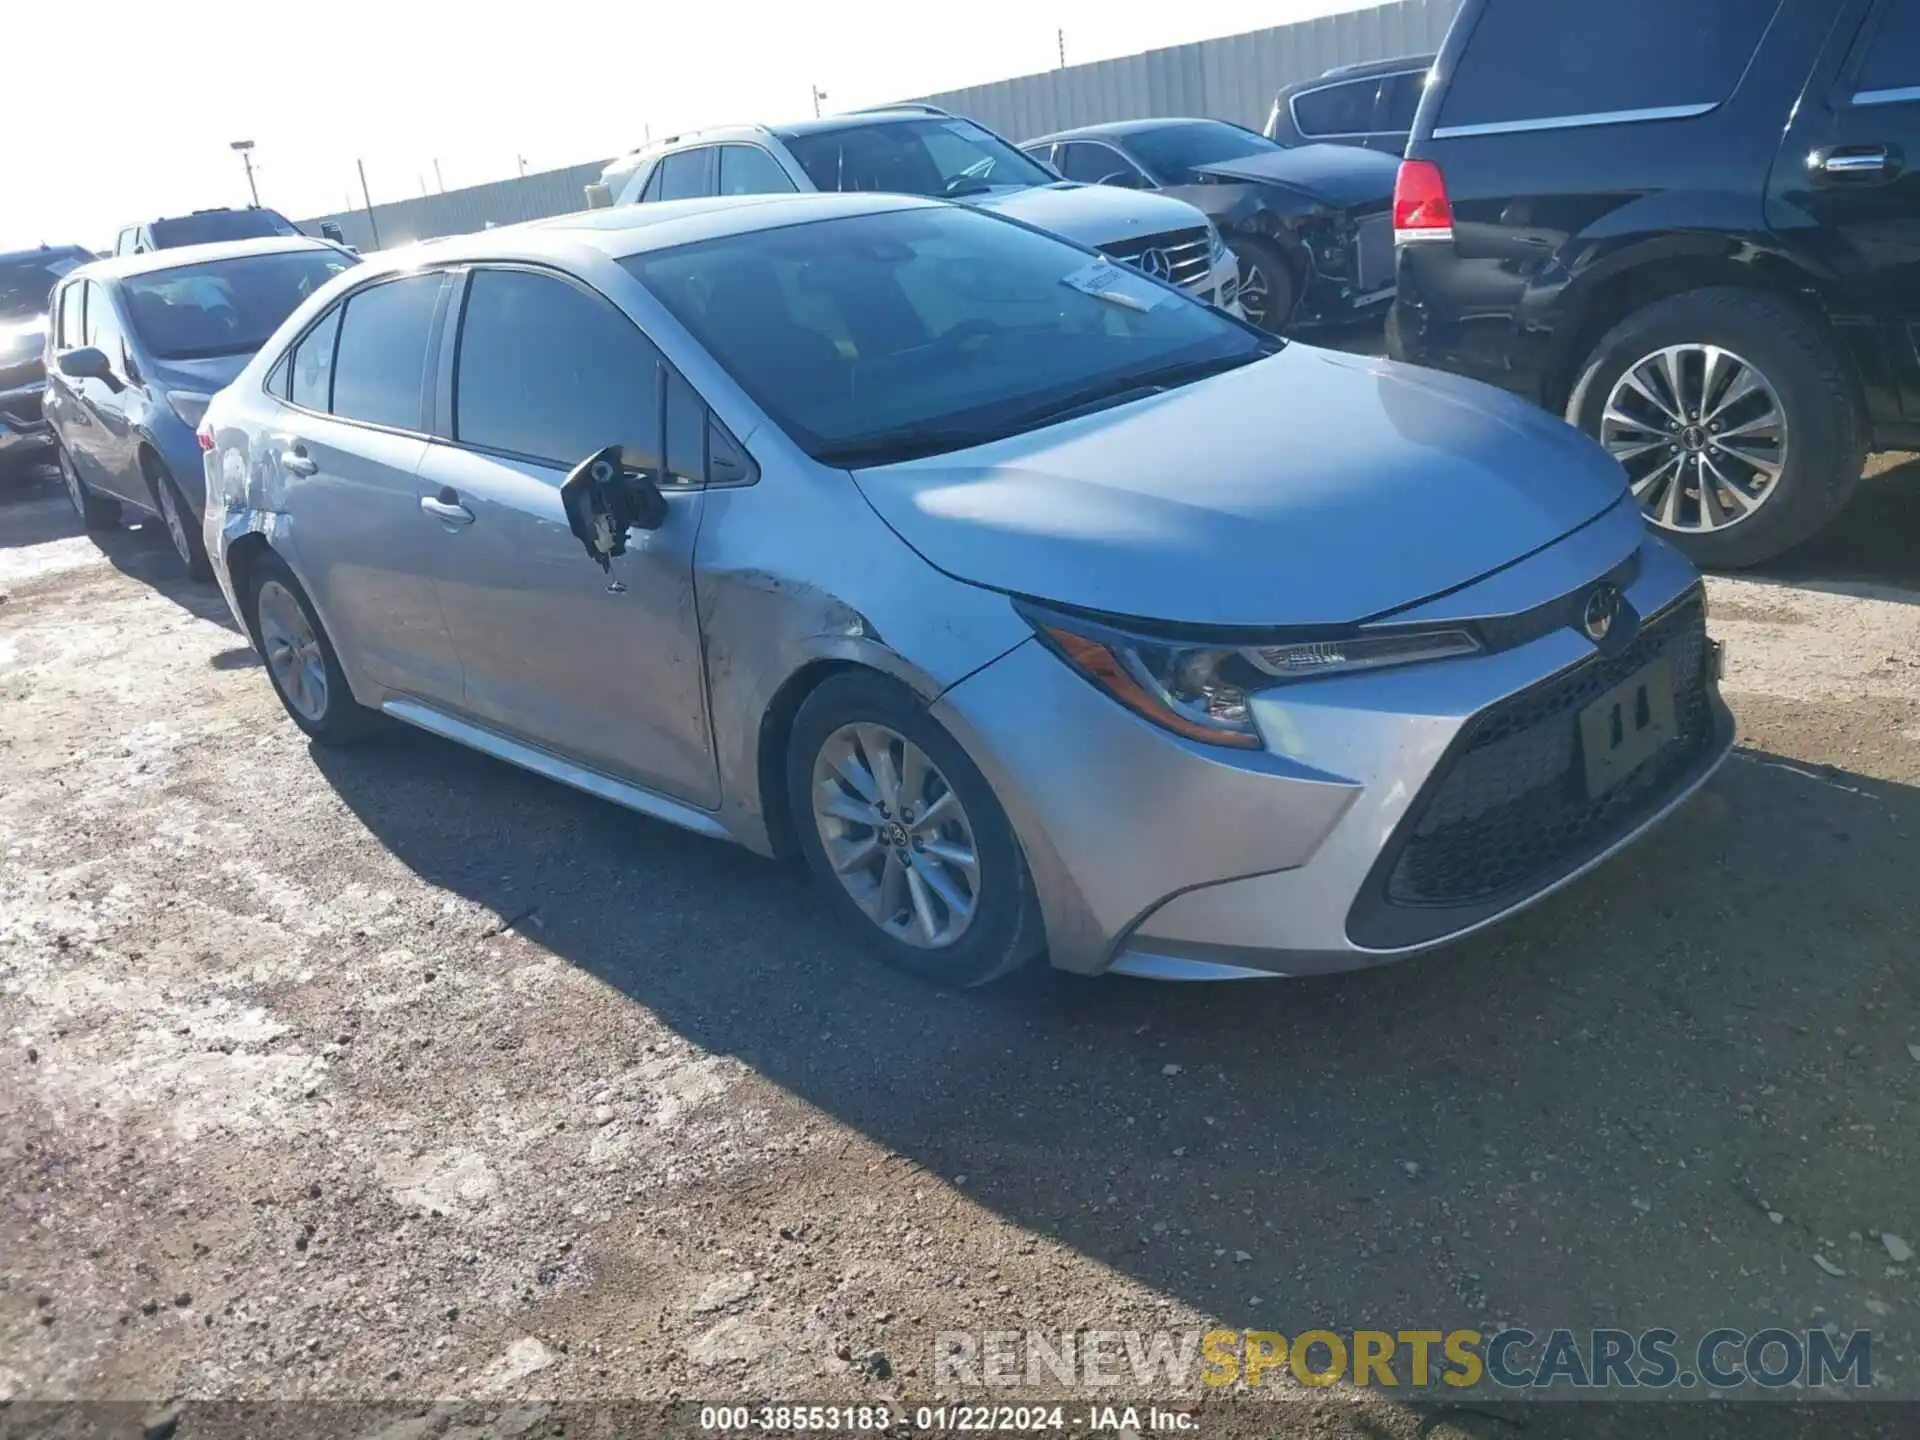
column 89, row 362
column 605, row 500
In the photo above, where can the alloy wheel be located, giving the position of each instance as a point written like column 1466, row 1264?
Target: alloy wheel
column 1702, row 434
column 1254, row 295
column 176, row 522
column 292, row 651
column 70, row 478
column 896, row 835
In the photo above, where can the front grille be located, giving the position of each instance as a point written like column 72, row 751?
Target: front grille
column 1189, row 255
column 1511, row 810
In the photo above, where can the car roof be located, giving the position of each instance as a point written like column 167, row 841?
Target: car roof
column 42, row 252
column 120, row 267
column 1118, row 129
column 625, row 230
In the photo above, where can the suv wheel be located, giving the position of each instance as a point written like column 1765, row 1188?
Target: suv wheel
column 300, row 658
column 1734, row 417
column 905, row 835
column 182, row 528
column 95, row 512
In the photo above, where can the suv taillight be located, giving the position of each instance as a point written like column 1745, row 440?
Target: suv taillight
column 1421, row 210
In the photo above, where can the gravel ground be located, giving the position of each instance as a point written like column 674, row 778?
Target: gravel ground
column 395, row 1072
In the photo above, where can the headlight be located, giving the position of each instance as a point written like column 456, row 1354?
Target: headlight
column 1220, row 251
column 1205, row 692
column 189, row 405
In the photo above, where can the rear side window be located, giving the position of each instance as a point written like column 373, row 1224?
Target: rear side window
column 1526, row 61
column 1892, row 52
column 312, row 378
column 380, row 361
column 1336, row 109
column 687, row 174
column 551, row 373
column 749, row 170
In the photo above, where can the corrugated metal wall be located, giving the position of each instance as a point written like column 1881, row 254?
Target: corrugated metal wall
column 1230, row 79
column 455, row 212
column 1233, row 78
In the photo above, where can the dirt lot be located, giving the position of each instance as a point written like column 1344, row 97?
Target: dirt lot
column 398, row 1073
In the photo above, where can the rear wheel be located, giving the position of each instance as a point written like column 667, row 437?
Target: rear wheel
column 1734, row 417
column 300, row 658
column 1267, row 290
column 95, row 511
column 905, row 835
column 182, row 528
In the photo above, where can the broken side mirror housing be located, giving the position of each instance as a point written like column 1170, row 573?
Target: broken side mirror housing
column 605, row 499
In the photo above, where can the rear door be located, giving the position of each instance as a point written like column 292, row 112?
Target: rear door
column 61, row 405
column 349, row 447
column 1847, row 184
column 109, row 444
column 602, row 668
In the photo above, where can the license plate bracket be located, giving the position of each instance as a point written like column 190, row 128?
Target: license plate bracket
column 1621, row 730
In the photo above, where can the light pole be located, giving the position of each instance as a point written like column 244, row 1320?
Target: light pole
column 245, row 147
column 818, row 96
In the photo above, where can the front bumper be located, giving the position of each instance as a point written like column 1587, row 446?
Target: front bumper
column 24, row 434
column 1159, row 857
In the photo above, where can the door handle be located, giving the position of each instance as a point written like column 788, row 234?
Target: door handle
column 1854, row 162
column 295, row 460
column 446, row 506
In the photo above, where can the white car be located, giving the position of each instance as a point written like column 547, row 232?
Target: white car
column 922, row 150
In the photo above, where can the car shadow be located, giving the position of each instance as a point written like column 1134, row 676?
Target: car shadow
column 1582, row 1117
column 1872, row 547
column 34, row 511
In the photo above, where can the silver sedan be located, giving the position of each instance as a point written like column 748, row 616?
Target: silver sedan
column 1040, row 607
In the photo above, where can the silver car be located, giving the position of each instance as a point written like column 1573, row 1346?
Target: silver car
column 1038, row 605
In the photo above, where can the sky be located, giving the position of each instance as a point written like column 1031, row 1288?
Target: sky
column 480, row 87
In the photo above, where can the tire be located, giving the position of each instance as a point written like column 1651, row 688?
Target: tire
column 96, row 512
column 182, row 529
column 1004, row 930
column 1264, row 268
column 327, row 713
column 1824, row 434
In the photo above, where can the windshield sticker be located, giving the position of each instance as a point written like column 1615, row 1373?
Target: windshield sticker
column 1106, row 281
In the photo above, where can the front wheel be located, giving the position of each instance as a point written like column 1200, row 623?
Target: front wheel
column 906, row 837
column 1734, row 417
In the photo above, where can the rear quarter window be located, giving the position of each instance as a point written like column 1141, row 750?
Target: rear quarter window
column 1529, row 61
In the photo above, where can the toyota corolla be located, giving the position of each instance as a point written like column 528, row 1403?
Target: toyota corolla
column 1040, row 607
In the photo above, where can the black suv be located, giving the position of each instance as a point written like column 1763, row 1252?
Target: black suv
column 1691, row 226
column 203, row 227
column 27, row 278
column 1370, row 104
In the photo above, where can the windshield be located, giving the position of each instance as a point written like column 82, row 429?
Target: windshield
column 1173, row 151
column 27, row 285
column 219, row 225
column 940, row 157
column 880, row 337
column 224, row 307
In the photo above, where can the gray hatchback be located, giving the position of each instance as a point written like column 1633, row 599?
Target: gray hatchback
column 137, row 345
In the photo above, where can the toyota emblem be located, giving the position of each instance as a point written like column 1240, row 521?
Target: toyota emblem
column 1156, row 262
column 1602, row 609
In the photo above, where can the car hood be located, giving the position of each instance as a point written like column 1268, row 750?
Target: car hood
column 1310, row 488
column 209, row 373
column 1094, row 215
column 1341, row 175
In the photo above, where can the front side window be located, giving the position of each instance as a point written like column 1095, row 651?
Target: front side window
column 1174, row 151
column 749, row 170
column 877, row 337
column 103, row 326
column 224, row 307
column 687, row 174
column 72, row 333
column 1527, row 61
column 1893, row 51
column 943, row 158
column 551, row 373
column 311, row 381
column 380, row 361
column 1336, row 109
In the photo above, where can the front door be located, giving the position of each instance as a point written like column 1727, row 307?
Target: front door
column 604, row 669
column 112, row 452
column 1847, row 182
